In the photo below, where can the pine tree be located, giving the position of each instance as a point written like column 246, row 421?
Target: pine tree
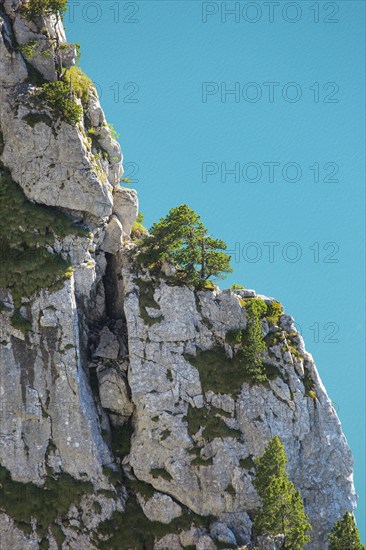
column 282, row 509
column 182, row 239
column 254, row 345
column 345, row 535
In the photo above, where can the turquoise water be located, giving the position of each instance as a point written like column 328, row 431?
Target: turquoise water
column 275, row 167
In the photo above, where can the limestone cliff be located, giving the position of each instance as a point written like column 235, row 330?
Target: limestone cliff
column 126, row 421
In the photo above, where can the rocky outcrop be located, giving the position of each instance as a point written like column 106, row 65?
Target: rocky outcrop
column 126, row 419
column 210, row 426
column 55, row 163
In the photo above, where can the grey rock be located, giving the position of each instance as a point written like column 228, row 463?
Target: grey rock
column 246, row 293
column 13, row 538
column 287, row 322
column 52, row 402
column 53, row 164
column 168, row 269
column 205, row 543
column 108, row 345
column 43, row 56
column 113, row 236
column 12, row 67
column 170, row 542
column 270, row 543
column 114, row 392
column 160, row 508
column 125, row 207
column 258, row 413
column 221, row 532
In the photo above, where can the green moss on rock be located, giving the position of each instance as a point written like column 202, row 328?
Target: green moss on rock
column 121, row 439
column 234, row 336
column 221, row 374
column 247, row 463
column 200, row 461
column 209, row 419
column 146, row 297
column 24, row 501
column 132, row 529
column 35, row 118
column 26, row 228
column 161, row 472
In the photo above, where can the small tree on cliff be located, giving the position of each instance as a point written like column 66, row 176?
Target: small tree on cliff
column 182, row 239
column 282, row 507
column 254, row 345
column 345, row 535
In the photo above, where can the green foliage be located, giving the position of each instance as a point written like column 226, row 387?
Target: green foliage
column 235, row 287
column 161, row 472
column 182, row 239
column 231, row 490
column 234, row 336
column 60, row 98
column 29, row 49
column 27, row 225
column 138, row 230
column 254, row 344
column 144, row 489
column 312, row 394
column 309, row 385
column 79, row 83
column 221, row 374
column 20, row 323
column 35, row 118
column 218, row 372
column 256, row 307
column 36, row 8
column 121, row 439
column 282, row 509
column 274, row 312
column 146, row 300
column 25, row 229
column 24, row 501
column 114, row 134
column 345, row 535
column 199, row 460
column 211, row 422
column 247, row 463
column 132, row 530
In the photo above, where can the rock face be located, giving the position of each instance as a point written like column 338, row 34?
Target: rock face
column 168, row 357
column 125, row 420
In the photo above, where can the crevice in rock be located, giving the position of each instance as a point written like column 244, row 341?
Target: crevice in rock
column 113, row 285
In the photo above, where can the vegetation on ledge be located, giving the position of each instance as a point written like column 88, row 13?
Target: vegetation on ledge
column 138, row 230
column 59, row 97
column 221, row 374
column 212, row 423
column 24, row 501
column 79, row 83
column 26, row 228
column 132, row 529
